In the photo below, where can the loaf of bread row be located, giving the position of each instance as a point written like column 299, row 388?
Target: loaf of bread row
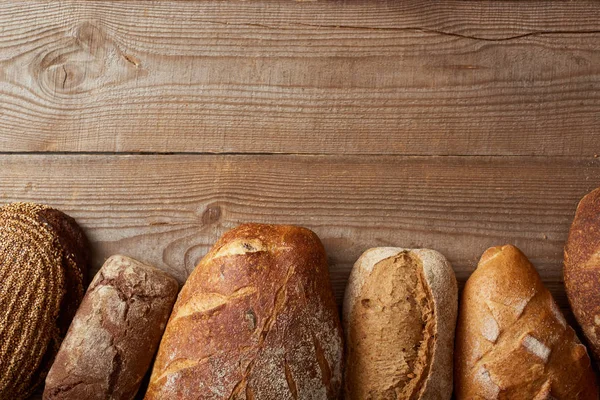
column 512, row 341
column 111, row 333
column 257, row 320
column 242, row 327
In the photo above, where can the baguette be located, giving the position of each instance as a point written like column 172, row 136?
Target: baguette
column 512, row 341
column 399, row 316
column 256, row 319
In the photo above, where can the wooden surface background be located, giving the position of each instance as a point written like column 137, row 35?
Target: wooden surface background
column 454, row 125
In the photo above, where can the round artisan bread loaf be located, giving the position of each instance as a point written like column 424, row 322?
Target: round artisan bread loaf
column 399, row 315
column 582, row 268
column 43, row 264
column 512, row 341
column 255, row 320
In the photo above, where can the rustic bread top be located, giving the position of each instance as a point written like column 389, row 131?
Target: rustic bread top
column 512, row 341
column 582, row 268
column 256, row 319
column 43, row 261
column 399, row 315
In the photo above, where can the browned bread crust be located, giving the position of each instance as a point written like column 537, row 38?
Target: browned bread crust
column 43, row 262
column 115, row 333
column 256, row 319
column 399, row 316
column 512, row 342
column 582, row 268
column 75, row 261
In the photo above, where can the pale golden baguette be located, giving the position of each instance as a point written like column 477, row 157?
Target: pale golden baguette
column 399, row 316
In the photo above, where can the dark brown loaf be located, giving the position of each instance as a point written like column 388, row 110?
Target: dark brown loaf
column 582, row 268
column 255, row 320
column 512, row 342
column 44, row 259
column 115, row 333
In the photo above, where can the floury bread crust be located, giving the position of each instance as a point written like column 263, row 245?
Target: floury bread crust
column 512, row 342
column 44, row 259
column 399, row 316
column 582, row 268
column 115, row 333
column 255, row 320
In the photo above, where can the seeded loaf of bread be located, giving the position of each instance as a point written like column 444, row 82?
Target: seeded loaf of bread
column 255, row 320
column 582, row 268
column 512, row 341
column 399, row 316
column 44, row 258
column 115, row 333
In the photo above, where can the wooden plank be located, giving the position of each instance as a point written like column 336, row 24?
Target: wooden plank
column 363, row 77
column 168, row 210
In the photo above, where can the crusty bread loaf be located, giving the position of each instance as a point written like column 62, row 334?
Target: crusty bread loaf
column 44, row 259
column 399, row 317
column 512, row 341
column 115, row 333
column 582, row 268
column 256, row 319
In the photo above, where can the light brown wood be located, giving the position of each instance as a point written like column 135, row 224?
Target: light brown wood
column 351, row 90
column 168, row 210
column 327, row 77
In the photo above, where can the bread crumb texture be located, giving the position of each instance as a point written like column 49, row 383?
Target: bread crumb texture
column 42, row 274
column 391, row 332
column 255, row 320
column 512, row 341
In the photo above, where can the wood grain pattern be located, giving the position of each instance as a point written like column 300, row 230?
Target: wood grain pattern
column 168, row 210
column 358, row 77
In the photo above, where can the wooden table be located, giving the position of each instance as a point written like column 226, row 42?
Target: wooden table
column 453, row 125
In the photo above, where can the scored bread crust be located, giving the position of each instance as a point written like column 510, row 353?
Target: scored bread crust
column 582, row 268
column 443, row 291
column 512, row 341
column 256, row 319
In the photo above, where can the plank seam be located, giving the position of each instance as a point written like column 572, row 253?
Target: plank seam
column 404, row 29
column 444, row 33
column 260, row 154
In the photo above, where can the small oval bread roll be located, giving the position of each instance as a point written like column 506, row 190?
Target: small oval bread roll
column 582, row 268
column 512, row 341
column 399, row 317
column 115, row 333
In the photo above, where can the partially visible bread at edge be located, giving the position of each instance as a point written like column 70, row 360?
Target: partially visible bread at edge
column 115, row 333
column 44, row 259
column 512, row 341
column 399, row 316
column 255, row 320
column 582, row 268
